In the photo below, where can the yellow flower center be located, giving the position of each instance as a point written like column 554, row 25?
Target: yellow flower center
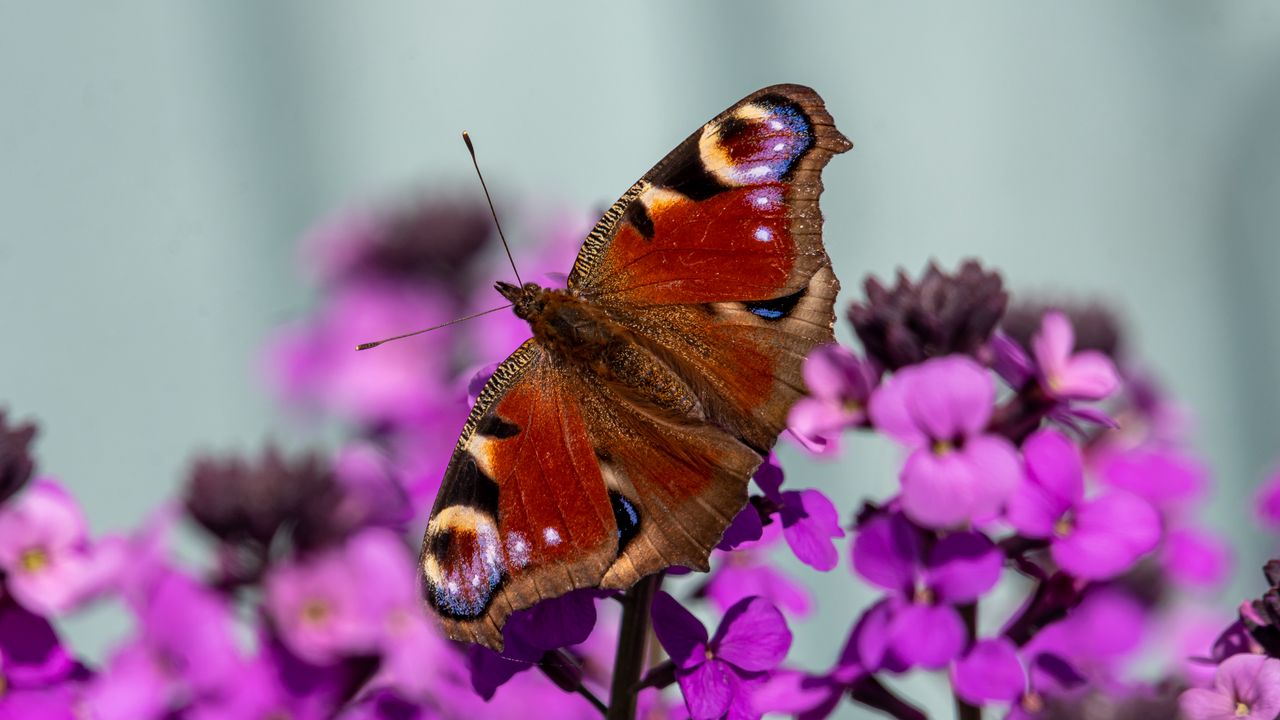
column 315, row 612
column 34, row 560
column 1064, row 526
column 1032, row 702
column 923, row 596
column 942, row 447
column 1242, row 710
column 710, row 655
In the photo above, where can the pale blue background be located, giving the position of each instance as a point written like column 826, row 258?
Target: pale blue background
column 158, row 160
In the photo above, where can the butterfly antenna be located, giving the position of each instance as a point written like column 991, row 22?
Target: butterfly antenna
column 371, row 345
column 472, row 149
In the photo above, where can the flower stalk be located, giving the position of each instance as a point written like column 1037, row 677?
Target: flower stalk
column 633, row 640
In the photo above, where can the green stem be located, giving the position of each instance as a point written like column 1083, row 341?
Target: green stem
column 633, row 638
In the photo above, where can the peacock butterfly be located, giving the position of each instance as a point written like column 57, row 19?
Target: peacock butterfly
column 620, row 438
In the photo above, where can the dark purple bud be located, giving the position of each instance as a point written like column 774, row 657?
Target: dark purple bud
column 941, row 314
column 16, row 463
column 247, row 503
column 1096, row 326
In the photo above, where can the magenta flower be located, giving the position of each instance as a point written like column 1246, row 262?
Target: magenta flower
column 810, row 522
column 956, row 473
column 1090, row 539
column 990, row 672
column 918, row 624
column 1068, row 375
column 1245, row 687
column 840, row 384
column 747, row 572
column 45, row 554
column 717, row 675
column 1165, row 477
column 1196, row 557
column 328, row 605
column 185, row 649
column 314, row 365
column 1267, row 502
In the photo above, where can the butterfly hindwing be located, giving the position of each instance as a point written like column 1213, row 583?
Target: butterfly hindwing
column 523, row 513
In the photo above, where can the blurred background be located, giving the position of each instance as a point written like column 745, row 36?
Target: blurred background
column 160, row 161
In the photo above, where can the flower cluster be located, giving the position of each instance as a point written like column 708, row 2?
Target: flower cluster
column 1042, row 530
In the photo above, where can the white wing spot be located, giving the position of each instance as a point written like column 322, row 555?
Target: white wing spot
column 551, row 536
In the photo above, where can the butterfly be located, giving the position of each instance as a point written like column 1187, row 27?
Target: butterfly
column 619, row 440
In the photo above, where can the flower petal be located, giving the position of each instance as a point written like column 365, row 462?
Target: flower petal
column 888, row 551
column 680, row 633
column 990, row 671
column 809, row 522
column 950, row 397
column 927, row 636
column 1109, row 535
column 708, row 689
column 1088, row 375
column 1052, row 346
column 890, row 414
column 962, row 567
column 1054, row 464
column 753, row 636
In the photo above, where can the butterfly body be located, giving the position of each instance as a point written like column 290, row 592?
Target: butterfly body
column 619, row 440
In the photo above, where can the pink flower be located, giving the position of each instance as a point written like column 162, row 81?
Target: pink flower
column 840, row 385
column 956, row 473
column 1068, row 375
column 1091, row 539
column 50, row 566
column 1245, row 687
column 336, row 602
column 718, row 674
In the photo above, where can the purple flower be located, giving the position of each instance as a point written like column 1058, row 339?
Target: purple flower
column 840, row 385
column 717, row 675
column 917, row 624
column 30, row 654
column 530, row 634
column 45, row 553
column 956, row 473
column 1090, row 539
column 1245, row 686
column 989, row 672
column 1068, row 375
column 810, row 522
column 1096, row 639
column 1267, row 502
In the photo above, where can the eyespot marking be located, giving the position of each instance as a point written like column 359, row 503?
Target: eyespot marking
column 760, row 142
column 461, row 561
column 776, row 308
column 627, row 518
